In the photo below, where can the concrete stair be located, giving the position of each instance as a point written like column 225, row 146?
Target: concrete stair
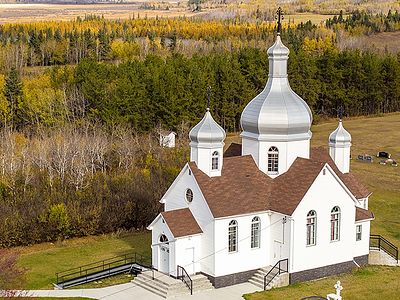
column 380, row 257
column 166, row 286
column 258, row 278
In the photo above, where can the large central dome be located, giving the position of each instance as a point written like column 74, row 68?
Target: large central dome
column 277, row 113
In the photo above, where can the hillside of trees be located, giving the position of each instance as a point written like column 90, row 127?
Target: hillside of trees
column 81, row 103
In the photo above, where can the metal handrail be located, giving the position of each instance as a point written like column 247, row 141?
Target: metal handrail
column 385, row 245
column 85, row 270
column 280, row 271
column 185, row 278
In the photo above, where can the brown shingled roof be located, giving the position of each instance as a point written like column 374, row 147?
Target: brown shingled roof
column 234, row 149
column 290, row 187
column 349, row 179
column 181, row 222
column 241, row 188
column 363, row 214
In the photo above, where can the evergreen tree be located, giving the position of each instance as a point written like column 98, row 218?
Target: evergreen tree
column 13, row 94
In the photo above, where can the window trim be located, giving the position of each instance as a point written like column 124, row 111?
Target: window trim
column 273, row 160
column 233, row 236
column 187, row 196
column 335, row 224
column 311, row 240
column 255, row 239
column 358, row 234
column 215, row 158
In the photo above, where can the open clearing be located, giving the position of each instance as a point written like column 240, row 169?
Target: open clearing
column 17, row 13
column 369, row 136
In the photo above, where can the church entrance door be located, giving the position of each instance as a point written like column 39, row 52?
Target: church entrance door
column 277, row 251
column 164, row 259
column 190, row 258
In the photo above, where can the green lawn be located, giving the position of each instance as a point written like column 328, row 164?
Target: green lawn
column 369, row 136
column 44, row 260
column 371, row 282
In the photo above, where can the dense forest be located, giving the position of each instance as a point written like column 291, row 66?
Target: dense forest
column 81, row 104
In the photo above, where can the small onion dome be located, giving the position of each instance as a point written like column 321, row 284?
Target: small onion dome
column 340, row 135
column 278, row 49
column 207, row 131
column 277, row 113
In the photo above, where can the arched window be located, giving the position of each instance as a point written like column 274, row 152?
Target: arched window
column 273, row 155
column 335, row 223
column 215, row 160
column 163, row 238
column 311, row 227
column 232, row 236
column 255, row 232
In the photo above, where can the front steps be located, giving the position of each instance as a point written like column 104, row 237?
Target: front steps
column 258, row 278
column 166, row 286
column 380, row 257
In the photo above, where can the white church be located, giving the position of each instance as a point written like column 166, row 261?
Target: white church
column 270, row 199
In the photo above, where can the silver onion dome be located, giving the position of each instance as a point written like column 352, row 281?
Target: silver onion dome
column 207, row 131
column 340, row 136
column 277, row 113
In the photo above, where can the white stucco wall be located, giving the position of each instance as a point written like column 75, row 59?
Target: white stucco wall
column 288, row 152
column 245, row 258
column 174, row 198
column 341, row 157
column 159, row 228
column 362, row 247
column 188, row 253
column 202, row 156
column 325, row 193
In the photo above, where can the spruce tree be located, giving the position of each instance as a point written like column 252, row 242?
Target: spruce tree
column 13, row 94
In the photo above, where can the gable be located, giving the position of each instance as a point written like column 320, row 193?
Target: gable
column 175, row 197
column 327, row 191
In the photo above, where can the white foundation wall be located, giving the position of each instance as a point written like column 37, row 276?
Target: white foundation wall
column 288, row 152
column 324, row 194
column 280, row 237
column 158, row 229
column 188, row 254
column 175, row 198
column 362, row 247
column 245, row 258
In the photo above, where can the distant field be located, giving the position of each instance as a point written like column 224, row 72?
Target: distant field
column 15, row 13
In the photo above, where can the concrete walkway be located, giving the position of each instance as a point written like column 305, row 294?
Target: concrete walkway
column 130, row 291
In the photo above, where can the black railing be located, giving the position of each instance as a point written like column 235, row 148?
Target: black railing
column 280, row 267
column 378, row 242
column 99, row 266
column 184, row 276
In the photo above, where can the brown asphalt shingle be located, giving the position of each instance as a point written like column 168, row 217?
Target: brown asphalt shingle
column 349, row 179
column 242, row 187
column 181, row 222
column 363, row 214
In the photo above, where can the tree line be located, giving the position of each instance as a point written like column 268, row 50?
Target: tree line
column 81, row 180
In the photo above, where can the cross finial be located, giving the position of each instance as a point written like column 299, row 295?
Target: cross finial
column 208, row 97
column 340, row 112
column 338, row 288
column 279, row 17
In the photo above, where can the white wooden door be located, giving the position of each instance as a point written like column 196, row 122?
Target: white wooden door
column 190, row 259
column 277, row 251
column 164, row 259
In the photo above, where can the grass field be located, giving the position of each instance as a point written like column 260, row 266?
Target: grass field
column 369, row 136
column 44, row 260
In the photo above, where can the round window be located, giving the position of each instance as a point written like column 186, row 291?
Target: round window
column 189, row 195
